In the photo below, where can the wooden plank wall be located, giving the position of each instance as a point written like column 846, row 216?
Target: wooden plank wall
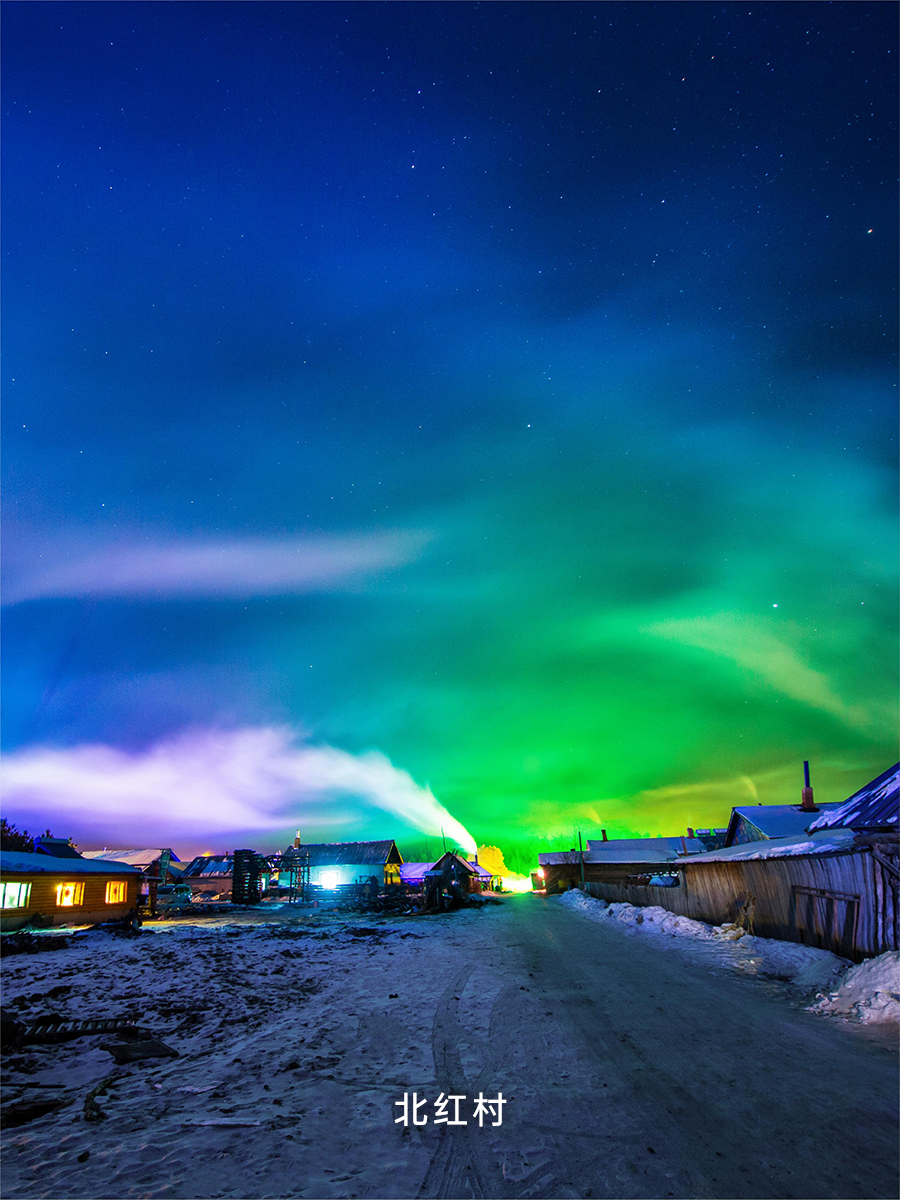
column 94, row 907
column 716, row 892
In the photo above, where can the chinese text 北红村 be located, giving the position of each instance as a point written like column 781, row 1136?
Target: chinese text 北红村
column 484, row 1107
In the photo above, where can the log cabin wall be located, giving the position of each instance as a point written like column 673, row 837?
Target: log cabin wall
column 93, row 906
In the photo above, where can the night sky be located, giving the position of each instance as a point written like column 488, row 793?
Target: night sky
column 463, row 415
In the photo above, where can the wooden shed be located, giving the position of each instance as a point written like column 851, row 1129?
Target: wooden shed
column 64, row 891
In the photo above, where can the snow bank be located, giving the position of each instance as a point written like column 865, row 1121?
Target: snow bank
column 805, row 966
column 870, row 991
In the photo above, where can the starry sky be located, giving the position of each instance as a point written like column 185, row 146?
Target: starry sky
column 445, row 415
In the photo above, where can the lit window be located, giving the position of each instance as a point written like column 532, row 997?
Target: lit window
column 330, row 879
column 15, row 895
column 115, row 893
column 69, row 895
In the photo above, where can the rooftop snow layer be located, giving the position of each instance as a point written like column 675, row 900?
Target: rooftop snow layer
column 873, row 806
column 332, row 854
column 12, row 862
column 777, row 820
column 641, row 849
column 134, row 858
column 830, row 842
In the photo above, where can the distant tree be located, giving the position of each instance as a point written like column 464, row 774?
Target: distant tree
column 12, row 839
column 491, row 858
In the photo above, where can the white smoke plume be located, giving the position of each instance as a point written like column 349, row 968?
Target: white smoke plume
column 210, row 783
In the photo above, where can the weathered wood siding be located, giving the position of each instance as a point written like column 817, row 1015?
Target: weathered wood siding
column 847, row 903
column 42, row 900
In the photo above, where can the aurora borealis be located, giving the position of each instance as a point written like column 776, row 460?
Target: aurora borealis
column 503, row 394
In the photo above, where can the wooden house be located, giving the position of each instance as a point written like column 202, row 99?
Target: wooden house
column 611, row 858
column 335, row 864
column 60, row 890
column 209, row 875
column 479, row 879
column 449, row 881
column 758, row 822
column 835, row 885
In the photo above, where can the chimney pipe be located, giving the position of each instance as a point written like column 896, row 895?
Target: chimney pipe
column 603, row 835
column 690, row 832
column 297, row 842
column 807, row 804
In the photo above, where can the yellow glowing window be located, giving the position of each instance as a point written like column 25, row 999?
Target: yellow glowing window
column 69, row 895
column 15, row 895
column 115, row 893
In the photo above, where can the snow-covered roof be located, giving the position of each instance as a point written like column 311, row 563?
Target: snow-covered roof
column 333, row 854
column 414, row 871
column 632, row 850
column 774, row 820
column 830, row 842
column 12, row 862
column 134, row 858
column 872, row 807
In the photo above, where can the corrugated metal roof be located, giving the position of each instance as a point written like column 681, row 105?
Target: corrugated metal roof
column 208, row 864
column 334, row 854
column 776, row 820
column 134, row 858
column 630, row 850
column 12, row 862
column 874, row 806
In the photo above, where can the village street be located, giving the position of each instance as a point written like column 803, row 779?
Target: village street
column 628, row 1070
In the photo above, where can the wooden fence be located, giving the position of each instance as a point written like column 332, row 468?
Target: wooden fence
column 846, row 902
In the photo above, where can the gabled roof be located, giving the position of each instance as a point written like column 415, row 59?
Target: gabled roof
column 335, row 854
column 773, row 820
column 55, row 847
column 12, row 862
column 469, row 867
column 134, row 858
column 875, row 806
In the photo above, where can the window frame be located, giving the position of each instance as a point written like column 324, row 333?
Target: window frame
column 21, row 888
column 77, row 894
column 118, row 885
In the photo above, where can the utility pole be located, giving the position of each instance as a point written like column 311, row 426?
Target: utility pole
column 581, row 856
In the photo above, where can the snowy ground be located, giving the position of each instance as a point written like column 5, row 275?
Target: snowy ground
column 297, row 1032
column 869, row 992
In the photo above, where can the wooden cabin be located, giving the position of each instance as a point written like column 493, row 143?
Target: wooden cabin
column 50, row 890
column 335, row 864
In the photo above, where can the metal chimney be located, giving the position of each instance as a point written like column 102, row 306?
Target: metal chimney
column 603, row 835
column 297, row 842
column 807, row 804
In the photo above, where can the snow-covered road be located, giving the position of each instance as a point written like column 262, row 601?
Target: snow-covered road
column 628, row 1070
